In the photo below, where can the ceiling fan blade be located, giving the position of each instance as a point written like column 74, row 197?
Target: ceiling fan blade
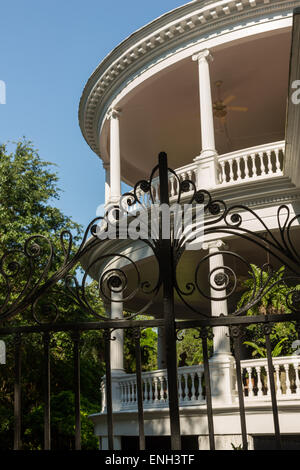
column 243, row 109
column 228, row 99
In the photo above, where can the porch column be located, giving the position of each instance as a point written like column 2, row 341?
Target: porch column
column 115, row 158
column 115, row 310
column 106, row 167
column 207, row 174
column 117, row 346
column 161, row 348
column 222, row 362
column 216, row 262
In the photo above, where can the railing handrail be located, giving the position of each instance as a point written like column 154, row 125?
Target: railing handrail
column 252, row 150
column 161, row 372
column 276, row 360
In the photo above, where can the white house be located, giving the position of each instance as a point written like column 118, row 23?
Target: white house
column 208, row 83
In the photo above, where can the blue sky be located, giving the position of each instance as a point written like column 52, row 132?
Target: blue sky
column 48, row 50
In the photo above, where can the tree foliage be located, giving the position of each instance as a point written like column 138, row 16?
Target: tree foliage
column 28, row 191
column 275, row 300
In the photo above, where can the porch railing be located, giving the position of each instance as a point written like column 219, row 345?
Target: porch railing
column 191, row 385
column 286, row 377
column 155, row 388
column 251, row 164
column 263, row 161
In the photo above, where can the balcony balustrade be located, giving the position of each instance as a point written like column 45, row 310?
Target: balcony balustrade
column 191, row 385
column 252, row 164
column 286, row 377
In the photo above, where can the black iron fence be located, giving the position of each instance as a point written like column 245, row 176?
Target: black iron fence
column 29, row 279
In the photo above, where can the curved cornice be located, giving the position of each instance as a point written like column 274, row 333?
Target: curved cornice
column 168, row 32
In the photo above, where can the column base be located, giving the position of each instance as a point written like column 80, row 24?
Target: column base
column 207, row 172
column 223, row 379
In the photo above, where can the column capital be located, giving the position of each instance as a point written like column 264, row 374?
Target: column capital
column 214, row 245
column 204, row 55
column 113, row 113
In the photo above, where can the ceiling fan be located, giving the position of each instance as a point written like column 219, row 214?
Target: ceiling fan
column 221, row 108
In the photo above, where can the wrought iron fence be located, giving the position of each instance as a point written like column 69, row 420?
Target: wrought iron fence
column 30, row 284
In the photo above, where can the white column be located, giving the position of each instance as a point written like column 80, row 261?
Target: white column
column 115, row 310
column 216, row 262
column 106, row 167
column 161, row 348
column 115, row 156
column 222, row 362
column 207, row 174
column 117, row 346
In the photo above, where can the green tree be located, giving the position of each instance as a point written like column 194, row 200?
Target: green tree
column 190, row 345
column 28, row 191
column 276, row 299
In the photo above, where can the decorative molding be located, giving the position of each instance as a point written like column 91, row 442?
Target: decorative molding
column 171, row 30
column 113, row 113
column 203, row 55
column 214, row 244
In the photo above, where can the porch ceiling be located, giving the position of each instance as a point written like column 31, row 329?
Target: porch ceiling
column 163, row 112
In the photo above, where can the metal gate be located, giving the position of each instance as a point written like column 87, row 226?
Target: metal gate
column 168, row 291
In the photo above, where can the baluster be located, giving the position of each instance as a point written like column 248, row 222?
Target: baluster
column 268, row 381
column 222, row 174
column 155, row 389
column 231, row 174
column 193, row 388
column 179, row 388
column 262, row 165
column 297, row 381
column 254, row 170
column 190, row 175
column 121, row 384
column 200, row 388
column 238, row 169
column 278, row 383
column 155, row 196
column 278, row 169
column 288, row 382
column 186, row 386
column 129, row 393
column 269, row 162
column 172, row 184
column 125, row 393
column 166, row 389
column 246, row 167
column 259, row 382
column 150, row 383
column 250, row 384
column 195, row 176
column 161, row 388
